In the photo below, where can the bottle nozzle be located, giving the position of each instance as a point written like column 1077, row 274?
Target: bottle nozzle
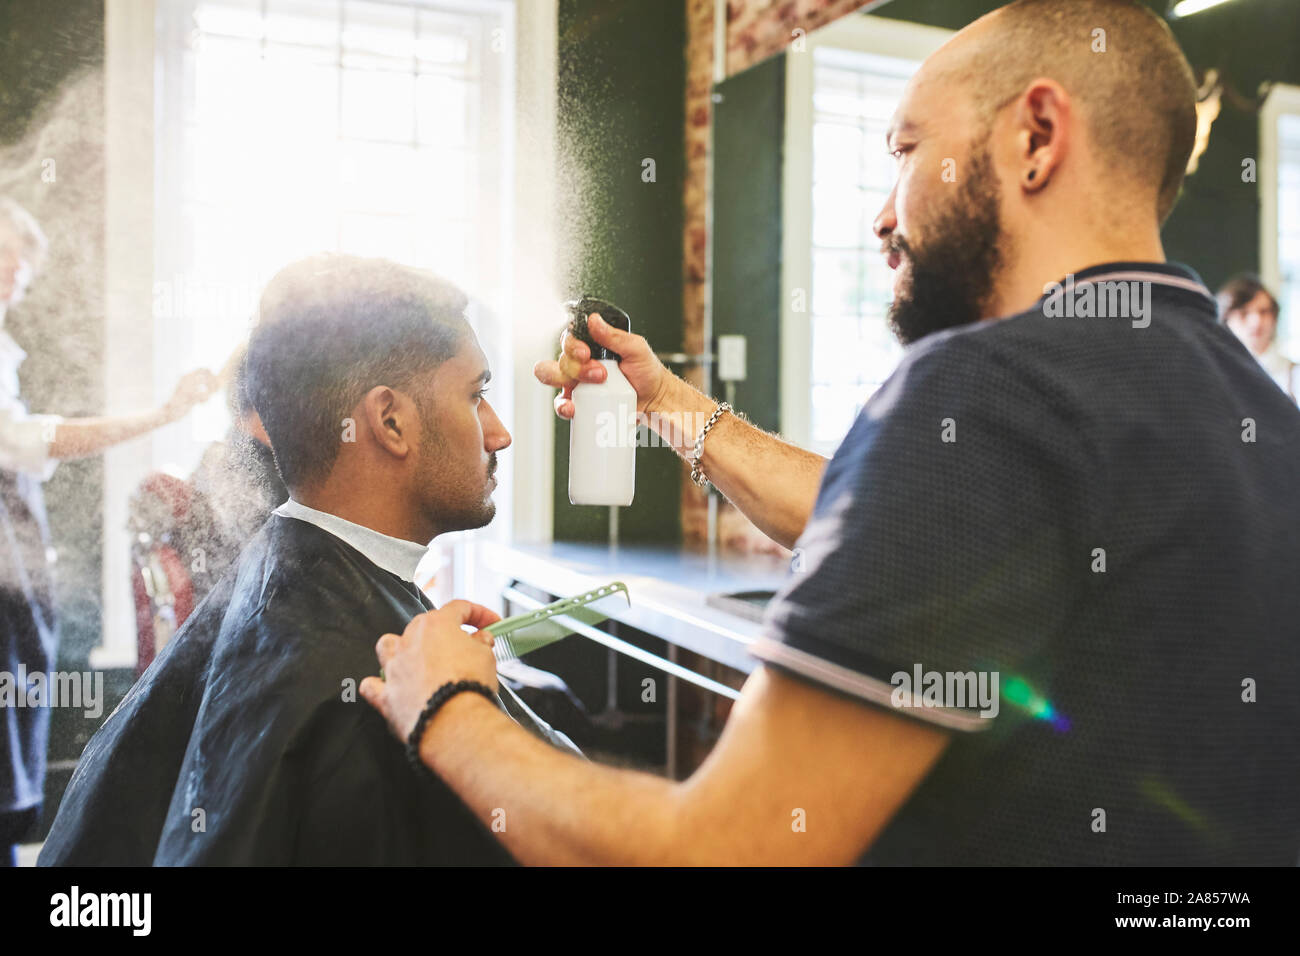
column 578, row 311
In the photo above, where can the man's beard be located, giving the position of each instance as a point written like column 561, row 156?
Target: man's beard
column 453, row 508
column 950, row 276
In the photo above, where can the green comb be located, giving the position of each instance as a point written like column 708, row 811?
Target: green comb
column 523, row 633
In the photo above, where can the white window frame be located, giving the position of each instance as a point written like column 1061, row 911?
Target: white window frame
column 861, row 33
column 130, row 77
column 1282, row 100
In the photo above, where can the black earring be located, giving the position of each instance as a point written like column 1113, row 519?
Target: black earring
column 1031, row 174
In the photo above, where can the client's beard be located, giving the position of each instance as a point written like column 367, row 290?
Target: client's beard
column 949, row 277
column 456, row 508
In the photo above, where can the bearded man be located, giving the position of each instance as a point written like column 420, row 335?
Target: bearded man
column 1090, row 510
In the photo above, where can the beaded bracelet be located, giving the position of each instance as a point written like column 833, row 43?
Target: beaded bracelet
column 697, row 473
column 439, row 697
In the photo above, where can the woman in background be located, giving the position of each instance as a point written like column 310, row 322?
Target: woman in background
column 1251, row 311
column 30, row 448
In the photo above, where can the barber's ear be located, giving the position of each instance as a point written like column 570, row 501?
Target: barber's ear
column 1043, row 114
column 389, row 417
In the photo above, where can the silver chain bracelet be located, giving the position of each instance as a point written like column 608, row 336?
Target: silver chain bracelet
column 697, row 473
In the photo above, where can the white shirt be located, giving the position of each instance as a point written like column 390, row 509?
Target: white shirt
column 401, row 557
column 1285, row 372
column 395, row 555
column 24, row 438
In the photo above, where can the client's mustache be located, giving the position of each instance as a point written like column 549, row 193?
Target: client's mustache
column 492, row 465
column 895, row 243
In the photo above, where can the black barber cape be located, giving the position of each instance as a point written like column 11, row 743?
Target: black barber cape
column 247, row 743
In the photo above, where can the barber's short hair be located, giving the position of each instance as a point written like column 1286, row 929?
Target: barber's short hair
column 1240, row 289
column 28, row 230
column 331, row 328
column 1140, row 93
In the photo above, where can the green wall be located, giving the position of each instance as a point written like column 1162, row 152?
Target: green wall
column 748, row 149
column 622, row 90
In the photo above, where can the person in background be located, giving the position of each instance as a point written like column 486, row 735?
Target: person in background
column 1251, row 311
column 30, row 448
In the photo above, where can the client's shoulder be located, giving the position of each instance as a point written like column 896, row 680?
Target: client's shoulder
column 304, row 615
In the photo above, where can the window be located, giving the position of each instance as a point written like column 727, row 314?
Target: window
column 841, row 94
column 1280, row 209
column 287, row 128
column 854, row 95
column 281, row 128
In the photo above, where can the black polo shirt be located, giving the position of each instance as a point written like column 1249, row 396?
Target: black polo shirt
column 1096, row 504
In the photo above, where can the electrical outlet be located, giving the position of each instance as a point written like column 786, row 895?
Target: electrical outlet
column 731, row 358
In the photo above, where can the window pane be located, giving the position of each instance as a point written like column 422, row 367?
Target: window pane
column 383, row 30
column 444, row 184
column 837, row 406
column 304, row 23
column 443, row 40
column 229, row 18
column 838, row 92
column 878, row 167
column 300, row 92
column 852, row 349
column 446, row 249
column 366, row 234
column 837, row 216
column 379, row 105
column 376, row 176
column 836, row 350
column 837, row 282
column 288, row 129
column 837, row 153
column 444, row 110
column 226, row 79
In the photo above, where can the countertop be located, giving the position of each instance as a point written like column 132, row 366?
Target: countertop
column 668, row 588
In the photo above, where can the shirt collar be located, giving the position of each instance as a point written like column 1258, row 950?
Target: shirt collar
column 394, row 555
column 1165, row 277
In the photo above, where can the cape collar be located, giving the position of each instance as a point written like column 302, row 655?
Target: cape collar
column 395, row 555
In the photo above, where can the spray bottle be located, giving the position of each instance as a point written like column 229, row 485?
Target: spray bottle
column 602, row 435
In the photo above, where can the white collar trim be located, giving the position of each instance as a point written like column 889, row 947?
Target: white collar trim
column 396, row 555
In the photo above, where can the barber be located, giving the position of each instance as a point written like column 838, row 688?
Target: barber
column 1026, row 572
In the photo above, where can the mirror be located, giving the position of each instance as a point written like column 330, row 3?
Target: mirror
column 800, row 171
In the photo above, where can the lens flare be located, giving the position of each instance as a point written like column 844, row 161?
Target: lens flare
column 1017, row 692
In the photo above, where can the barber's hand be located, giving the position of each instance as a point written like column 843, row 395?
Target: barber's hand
column 639, row 365
column 194, row 387
column 430, row 652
